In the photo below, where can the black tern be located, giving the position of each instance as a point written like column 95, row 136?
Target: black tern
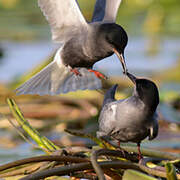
column 83, row 44
column 132, row 119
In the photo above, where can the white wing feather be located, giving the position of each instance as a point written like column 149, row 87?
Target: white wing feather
column 64, row 17
column 111, row 10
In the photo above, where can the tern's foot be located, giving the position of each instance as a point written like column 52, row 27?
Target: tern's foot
column 122, row 151
column 76, row 72
column 98, row 74
column 140, row 157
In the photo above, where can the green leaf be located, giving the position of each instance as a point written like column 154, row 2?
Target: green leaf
column 132, row 175
column 82, row 134
column 170, row 171
column 42, row 141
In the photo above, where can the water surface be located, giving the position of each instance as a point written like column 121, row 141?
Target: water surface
column 21, row 57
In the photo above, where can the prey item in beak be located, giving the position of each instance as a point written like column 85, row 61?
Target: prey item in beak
column 121, row 58
column 132, row 77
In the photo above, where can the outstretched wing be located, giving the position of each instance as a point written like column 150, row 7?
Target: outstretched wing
column 106, row 10
column 64, row 17
column 56, row 78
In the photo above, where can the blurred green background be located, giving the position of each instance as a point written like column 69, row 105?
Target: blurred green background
column 153, row 50
column 22, row 20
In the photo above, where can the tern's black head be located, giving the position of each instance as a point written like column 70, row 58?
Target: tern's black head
column 146, row 90
column 117, row 37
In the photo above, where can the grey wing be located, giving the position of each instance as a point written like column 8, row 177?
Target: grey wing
column 106, row 10
column 107, row 119
column 87, row 80
column 64, row 17
column 109, row 96
column 154, row 127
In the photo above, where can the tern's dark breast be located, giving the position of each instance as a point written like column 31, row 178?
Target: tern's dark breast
column 73, row 55
column 84, row 51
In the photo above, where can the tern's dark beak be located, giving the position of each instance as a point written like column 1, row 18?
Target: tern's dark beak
column 132, row 77
column 122, row 59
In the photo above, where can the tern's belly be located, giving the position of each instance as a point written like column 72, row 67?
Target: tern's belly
column 132, row 134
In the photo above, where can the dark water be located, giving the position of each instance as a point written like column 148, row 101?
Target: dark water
column 20, row 57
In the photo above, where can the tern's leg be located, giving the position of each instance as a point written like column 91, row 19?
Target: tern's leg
column 98, row 74
column 75, row 71
column 139, row 151
column 122, row 150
